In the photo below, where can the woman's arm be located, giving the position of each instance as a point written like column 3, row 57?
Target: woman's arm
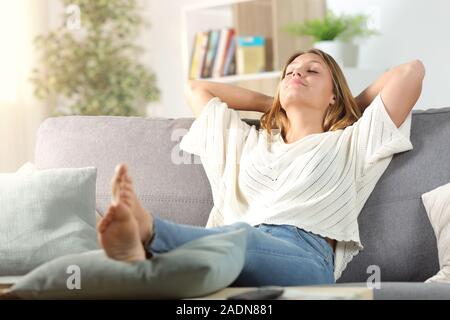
column 199, row 92
column 400, row 87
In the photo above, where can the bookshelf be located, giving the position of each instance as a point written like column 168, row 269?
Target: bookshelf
column 250, row 18
column 264, row 18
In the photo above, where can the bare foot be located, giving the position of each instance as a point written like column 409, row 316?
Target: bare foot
column 118, row 234
column 126, row 225
column 122, row 186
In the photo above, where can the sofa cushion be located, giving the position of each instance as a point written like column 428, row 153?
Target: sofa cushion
column 194, row 269
column 437, row 205
column 44, row 215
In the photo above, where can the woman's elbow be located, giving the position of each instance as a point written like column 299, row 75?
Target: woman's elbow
column 189, row 87
column 417, row 68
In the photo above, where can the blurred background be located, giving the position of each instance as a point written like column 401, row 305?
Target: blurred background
column 133, row 58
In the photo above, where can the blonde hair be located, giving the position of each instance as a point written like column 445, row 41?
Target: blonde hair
column 341, row 114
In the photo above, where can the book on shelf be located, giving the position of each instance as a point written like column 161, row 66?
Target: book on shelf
column 198, row 54
column 213, row 54
column 229, row 67
column 226, row 36
column 250, row 54
column 195, row 57
column 211, row 51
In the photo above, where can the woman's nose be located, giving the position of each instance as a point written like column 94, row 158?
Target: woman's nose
column 296, row 73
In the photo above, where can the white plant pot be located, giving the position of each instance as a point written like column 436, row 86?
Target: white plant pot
column 345, row 53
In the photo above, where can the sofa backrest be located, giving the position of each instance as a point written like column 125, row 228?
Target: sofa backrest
column 394, row 227
column 179, row 192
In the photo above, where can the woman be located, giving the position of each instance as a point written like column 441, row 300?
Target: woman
column 296, row 185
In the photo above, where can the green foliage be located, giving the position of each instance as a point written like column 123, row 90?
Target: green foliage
column 95, row 70
column 331, row 27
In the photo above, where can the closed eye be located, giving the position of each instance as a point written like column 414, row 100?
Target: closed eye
column 310, row 71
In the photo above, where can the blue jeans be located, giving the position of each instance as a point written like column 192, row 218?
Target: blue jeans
column 282, row 255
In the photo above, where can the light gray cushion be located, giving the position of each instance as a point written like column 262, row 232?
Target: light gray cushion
column 44, row 215
column 437, row 205
column 194, row 269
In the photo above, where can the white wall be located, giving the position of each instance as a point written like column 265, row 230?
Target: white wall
column 20, row 112
column 409, row 29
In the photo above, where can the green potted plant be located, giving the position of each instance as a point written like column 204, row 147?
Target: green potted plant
column 335, row 34
column 89, row 65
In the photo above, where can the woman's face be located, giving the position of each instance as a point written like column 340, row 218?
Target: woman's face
column 307, row 82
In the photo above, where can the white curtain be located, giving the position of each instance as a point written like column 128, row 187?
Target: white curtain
column 20, row 113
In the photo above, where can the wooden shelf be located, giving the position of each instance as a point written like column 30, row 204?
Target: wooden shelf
column 248, row 77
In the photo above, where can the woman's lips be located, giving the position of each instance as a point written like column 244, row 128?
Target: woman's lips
column 296, row 82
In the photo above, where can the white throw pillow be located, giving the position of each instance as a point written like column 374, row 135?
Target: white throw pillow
column 31, row 167
column 437, row 205
column 45, row 214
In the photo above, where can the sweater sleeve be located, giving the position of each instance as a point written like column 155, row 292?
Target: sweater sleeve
column 377, row 137
column 217, row 136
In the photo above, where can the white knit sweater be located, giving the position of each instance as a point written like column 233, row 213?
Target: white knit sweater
column 318, row 183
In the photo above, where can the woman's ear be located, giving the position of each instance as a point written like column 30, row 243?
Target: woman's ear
column 332, row 101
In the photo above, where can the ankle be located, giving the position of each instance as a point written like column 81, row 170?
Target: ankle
column 150, row 234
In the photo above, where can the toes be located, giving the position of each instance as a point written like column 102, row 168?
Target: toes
column 120, row 168
column 125, row 196
column 127, row 179
column 126, row 187
column 121, row 171
column 124, row 173
column 115, row 186
column 120, row 181
column 129, row 189
column 127, row 183
column 118, row 174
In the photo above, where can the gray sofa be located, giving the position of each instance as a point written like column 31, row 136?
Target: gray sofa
column 394, row 227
